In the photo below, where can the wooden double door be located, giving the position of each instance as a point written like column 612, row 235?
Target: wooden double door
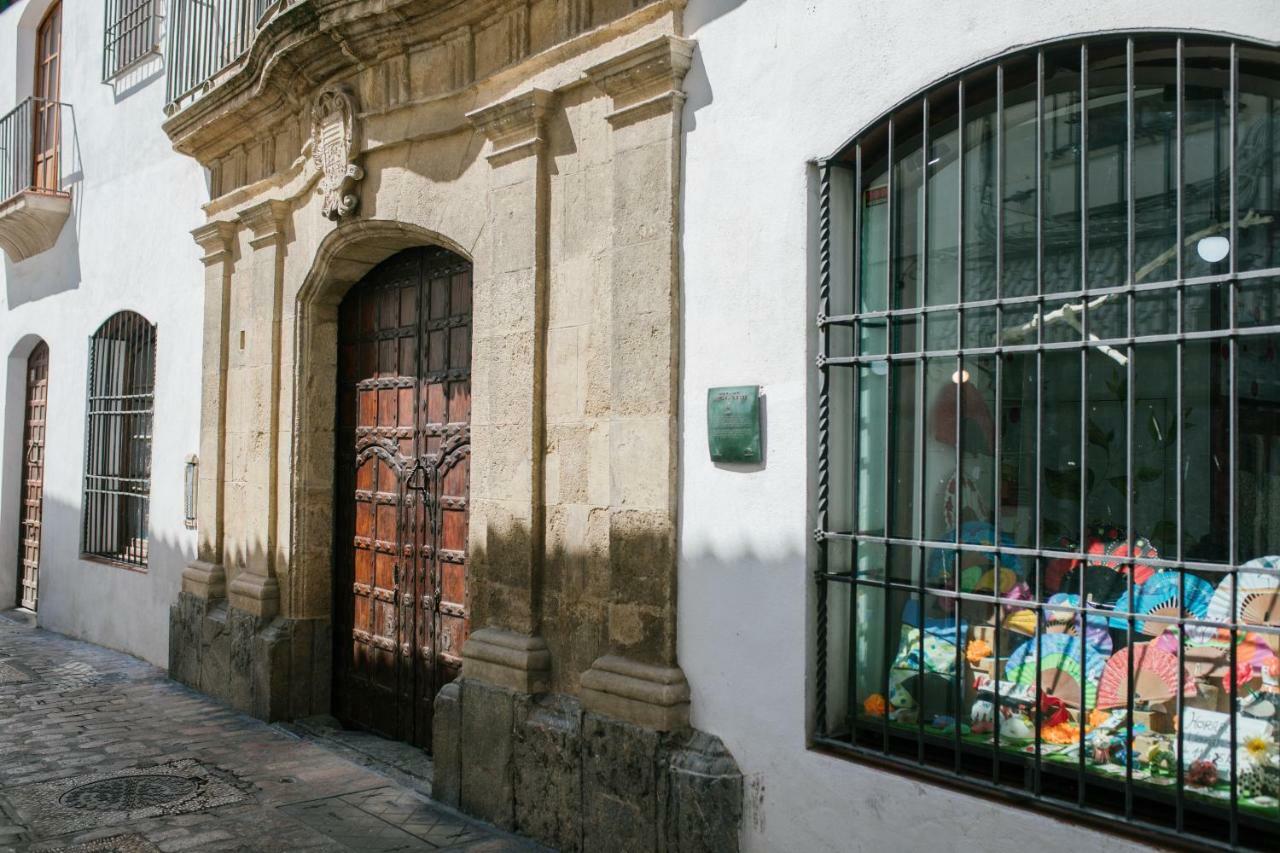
column 402, row 440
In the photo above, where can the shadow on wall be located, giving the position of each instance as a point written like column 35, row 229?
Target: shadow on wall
column 137, row 78
column 109, row 605
column 609, row 595
column 48, row 273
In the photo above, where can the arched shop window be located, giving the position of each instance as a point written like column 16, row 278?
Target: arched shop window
column 1048, row 435
column 117, row 465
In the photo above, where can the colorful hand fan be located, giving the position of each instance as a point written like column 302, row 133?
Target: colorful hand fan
column 1257, row 595
column 1158, row 596
column 1059, row 676
column 1066, row 620
column 1101, row 584
column 942, row 561
column 1059, row 567
column 1155, row 677
column 1106, row 544
column 1060, row 671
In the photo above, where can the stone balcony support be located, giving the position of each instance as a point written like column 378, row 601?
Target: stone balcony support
column 31, row 221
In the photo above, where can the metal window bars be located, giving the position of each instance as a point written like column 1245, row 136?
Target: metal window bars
column 117, row 472
column 130, row 33
column 1080, row 287
column 207, row 36
column 31, row 149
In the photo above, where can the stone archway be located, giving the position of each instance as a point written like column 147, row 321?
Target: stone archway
column 343, row 259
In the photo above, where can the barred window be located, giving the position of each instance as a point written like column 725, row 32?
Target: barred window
column 117, row 468
column 1048, row 435
column 130, row 33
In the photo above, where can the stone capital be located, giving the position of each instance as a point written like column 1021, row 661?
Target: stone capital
column 656, row 697
column 646, row 79
column 267, row 221
column 515, row 125
column 216, row 239
column 508, row 659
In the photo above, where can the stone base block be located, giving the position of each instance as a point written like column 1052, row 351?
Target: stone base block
column 547, row 767
column 507, row 659
column 274, row 669
column 485, row 789
column 577, row 780
column 655, row 697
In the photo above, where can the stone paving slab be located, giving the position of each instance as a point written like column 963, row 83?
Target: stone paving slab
column 101, row 753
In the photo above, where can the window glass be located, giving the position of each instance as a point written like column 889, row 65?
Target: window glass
column 117, row 476
column 1066, row 556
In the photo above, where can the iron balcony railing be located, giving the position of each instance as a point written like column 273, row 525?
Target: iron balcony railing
column 130, row 33
column 31, row 149
column 207, row 36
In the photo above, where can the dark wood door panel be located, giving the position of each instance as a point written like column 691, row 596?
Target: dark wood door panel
column 31, row 515
column 402, row 453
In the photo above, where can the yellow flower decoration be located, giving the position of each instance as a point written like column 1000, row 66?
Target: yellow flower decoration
column 875, row 705
column 1258, row 748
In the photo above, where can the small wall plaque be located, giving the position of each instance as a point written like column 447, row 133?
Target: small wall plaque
column 733, row 423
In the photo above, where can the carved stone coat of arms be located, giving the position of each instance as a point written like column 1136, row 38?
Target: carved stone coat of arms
column 333, row 150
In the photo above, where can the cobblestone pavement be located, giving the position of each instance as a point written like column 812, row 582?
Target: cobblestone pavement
column 100, row 752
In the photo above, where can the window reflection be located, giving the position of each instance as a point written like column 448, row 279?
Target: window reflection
column 1068, row 416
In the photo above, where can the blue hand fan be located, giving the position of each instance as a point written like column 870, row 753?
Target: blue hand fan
column 942, row 561
column 1159, row 597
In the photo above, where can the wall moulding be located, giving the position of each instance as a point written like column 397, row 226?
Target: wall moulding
column 514, row 126
column 391, row 59
column 645, row 79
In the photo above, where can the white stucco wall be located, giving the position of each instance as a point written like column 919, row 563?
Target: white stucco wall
column 127, row 246
column 774, row 84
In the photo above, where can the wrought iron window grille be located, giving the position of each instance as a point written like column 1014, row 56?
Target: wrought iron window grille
column 117, row 469
column 1048, row 296
column 130, row 34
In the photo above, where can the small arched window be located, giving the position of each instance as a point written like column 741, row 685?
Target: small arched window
column 1048, row 434
column 117, row 473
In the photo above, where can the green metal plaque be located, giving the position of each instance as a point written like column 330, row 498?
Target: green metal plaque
column 733, row 423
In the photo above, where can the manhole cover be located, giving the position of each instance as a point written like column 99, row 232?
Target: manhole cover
column 126, row 793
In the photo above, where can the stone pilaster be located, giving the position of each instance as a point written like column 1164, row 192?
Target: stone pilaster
column 255, row 589
column 640, row 680
column 507, row 434
column 206, row 576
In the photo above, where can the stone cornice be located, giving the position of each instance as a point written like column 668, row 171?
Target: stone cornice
column 310, row 44
column 515, row 125
column 645, row 78
column 217, row 239
column 267, row 221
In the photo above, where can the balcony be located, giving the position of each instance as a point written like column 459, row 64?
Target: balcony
column 207, row 37
column 34, row 201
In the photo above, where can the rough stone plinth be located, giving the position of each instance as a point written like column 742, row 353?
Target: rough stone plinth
column 582, row 781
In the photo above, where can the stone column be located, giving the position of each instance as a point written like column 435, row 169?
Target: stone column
column 254, row 589
column 639, row 680
column 206, row 576
column 508, row 413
